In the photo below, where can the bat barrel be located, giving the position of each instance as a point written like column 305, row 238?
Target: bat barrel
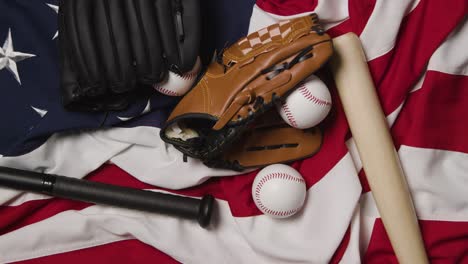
column 100, row 193
column 376, row 150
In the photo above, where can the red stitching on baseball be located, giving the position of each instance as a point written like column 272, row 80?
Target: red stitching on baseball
column 275, row 175
column 165, row 91
column 309, row 96
column 289, row 115
column 188, row 76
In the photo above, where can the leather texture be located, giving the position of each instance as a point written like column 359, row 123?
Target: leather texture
column 269, row 140
column 244, row 83
column 112, row 50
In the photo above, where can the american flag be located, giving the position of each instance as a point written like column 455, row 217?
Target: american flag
column 417, row 51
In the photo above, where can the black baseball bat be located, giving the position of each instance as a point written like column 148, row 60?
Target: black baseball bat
column 100, row 193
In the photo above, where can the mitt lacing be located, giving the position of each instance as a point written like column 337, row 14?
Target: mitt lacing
column 279, row 68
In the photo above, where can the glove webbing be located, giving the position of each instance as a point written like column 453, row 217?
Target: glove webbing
column 277, row 69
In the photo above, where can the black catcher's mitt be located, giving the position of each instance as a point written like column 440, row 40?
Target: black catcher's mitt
column 110, row 49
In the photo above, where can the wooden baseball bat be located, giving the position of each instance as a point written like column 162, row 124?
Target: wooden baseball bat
column 379, row 158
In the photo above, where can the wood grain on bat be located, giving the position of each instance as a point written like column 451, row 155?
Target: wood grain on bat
column 379, row 158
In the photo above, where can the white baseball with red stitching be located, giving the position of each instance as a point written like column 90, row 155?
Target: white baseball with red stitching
column 308, row 105
column 279, row 191
column 178, row 85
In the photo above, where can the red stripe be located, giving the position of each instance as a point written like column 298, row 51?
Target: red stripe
column 434, row 116
column 445, row 242
column 364, row 182
column 287, row 7
column 341, row 250
column 431, row 116
column 15, row 217
column 359, row 13
column 128, row 251
column 340, row 29
column 421, row 33
column 396, row 72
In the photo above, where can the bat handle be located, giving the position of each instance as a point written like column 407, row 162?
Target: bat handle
column 100, row 193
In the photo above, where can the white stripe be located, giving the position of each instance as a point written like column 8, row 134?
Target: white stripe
column 353, row 251
column 154, row 162
column 367, row 226
column 139, row 151
column 97, row 225
column 438, row 183
column 392, row 117
column 73, row 155
column 380, row 33
column 452, row 56
column 11, row 197
column 312, row 236
column 419, row 83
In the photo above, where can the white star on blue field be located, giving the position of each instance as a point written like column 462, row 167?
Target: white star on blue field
column 9, row 57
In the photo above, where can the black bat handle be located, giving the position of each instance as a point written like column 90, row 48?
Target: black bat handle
column 100, row 193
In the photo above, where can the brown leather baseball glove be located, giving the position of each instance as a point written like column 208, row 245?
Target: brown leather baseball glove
column 227, row 119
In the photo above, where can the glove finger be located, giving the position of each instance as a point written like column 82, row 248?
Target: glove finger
column 77, row 25
column 117, row 102
column 112, row 42
column 179, row 23
column 69, row 86
column 145, row 41
column 73, row 98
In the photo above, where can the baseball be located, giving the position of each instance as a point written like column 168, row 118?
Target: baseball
column 178, row 85
column 307, row 105
column 279, row 191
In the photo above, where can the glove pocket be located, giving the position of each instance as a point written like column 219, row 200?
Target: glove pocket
column 192, row 134
column 269, row 140
column 276, row 144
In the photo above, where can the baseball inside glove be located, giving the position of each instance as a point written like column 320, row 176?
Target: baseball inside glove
column 220, row 120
